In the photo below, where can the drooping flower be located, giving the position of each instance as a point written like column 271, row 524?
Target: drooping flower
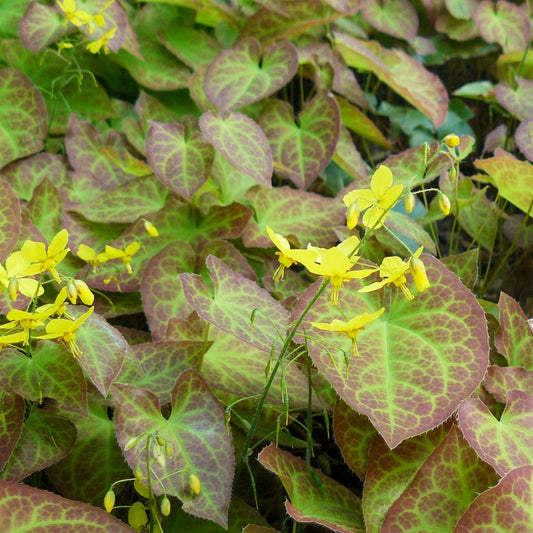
column 78, row 17
column 47, row 258
column 418, row 271
column 350, row 328
column 377, row 201
column 65, row 330
column 26, row 320
column 78, row 288
column 287, row 256
column 15, row 277
column 444, row 204
column 125, row 255
column 335, row 264
column 393, row 270
column 150, row 228
column 90, row 256
column 11, row 338
column 95, row 46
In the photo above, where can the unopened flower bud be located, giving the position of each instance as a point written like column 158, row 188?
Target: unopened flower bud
column 156, row 451
column 451, row 140
column 83, row 291
column 409, row 202
column 13, row 288
column 169, row 450
column 426, row 151
column 418, row 270
column 138, row 473
column 109, row 500
column 160, row 440
column 165, row 506
column 161, row 460
column 352, row 215
column 72, row 293
column 444, row 204
column 194, row 483
column 130, row 443
column 150, row 229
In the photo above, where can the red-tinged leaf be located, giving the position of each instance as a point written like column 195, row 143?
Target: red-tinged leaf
column 506, row 507
column 524, row 138
column 9, row 219
column 504, row 23
column 154, row 366
column 402, row 73
column 180, row 155
column 304, row 146
column 331, row 505
column 241, row 141
column 359, row 123
column 44, row 440
column 500, row 380
column 51, row 372
column 25, row 508
column 239, row 306
column 458, row 30
column 514, row 339
column 393, row 17
column 94, row 462
column 390, row 472
column 464, row 265
column 349, row 159
column 24, row 175
column 348, row 7
column 460, row 9
column 11, row 422
column 443, row 488
column 516, row 100
column 103, row 350
column 404, row 225
column 196, row 89
column 82, row 144
column 442, row 333
column 23, row 116
column 193, row 47
column 354, row 434
column 252, row 528
column 197, row 432
column 161, row 288
column 307, row 217
column 243, row 75
column 45, row 208
column 40, row 26
column 506, row 443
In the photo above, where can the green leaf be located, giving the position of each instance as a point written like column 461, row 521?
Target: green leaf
column 44, row 440
column 329, row 504
column 505, row 507
column 241, row 141
column 11, row 422
column 442, row 334
column 303, row 146
column 393, row 17
column 500, row 380
column 464, row 265
column 9, row 219
column 193, row 47
column 40, row 26
column 45, row 208
column 196, row 431
column 513, row 178
column 242, row 75
column 400, row 72
column 51, row 512
column 506, row 443
column 22, row 116
column 516, row 100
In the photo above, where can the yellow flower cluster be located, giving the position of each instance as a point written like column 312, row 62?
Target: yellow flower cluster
column 81, row 18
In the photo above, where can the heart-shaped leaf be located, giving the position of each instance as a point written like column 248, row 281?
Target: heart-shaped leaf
column 500, row 380
column 516, row 100
column 40, row 26
column 506, row 443
column 242, row 75
column 11, row 423
column 447, row 347
column 524, row 138
column 393, row 17
column 196, row 431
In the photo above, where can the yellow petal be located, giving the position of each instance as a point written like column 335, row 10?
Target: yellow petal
column 33, row 251
column 58, row 243
column 381, row 180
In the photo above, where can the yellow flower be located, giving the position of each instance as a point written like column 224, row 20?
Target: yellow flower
column 126, row 254
column 65, row 330
column 444, row 204
column 95, row 46
column 47, row 259
column 350, row 328
column 26, row 320
column 376, row 201
column 89, row 255
column 287, row 256
column 78, row 17
column 335, row 263
column 12, row 338
column 418, row 271
column 77, row 287
column 13, row 276
column 150, row 229
column 451, row 140
column 393, row 270
column 194, row 484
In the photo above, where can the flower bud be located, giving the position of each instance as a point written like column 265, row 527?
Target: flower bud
column 138, row 473
column 83, row 291
column 13, row 288
column 352, row 215
column 160, row 440
column 109, row 500
column 130, row 443
column 161, row 460
column 72, row 293
column 451, row 140
column 409, row 202
column 426, row 152
column 194, row 483
column 165, row 506
column 169, row 450
column 418, row 270
column 444, row 204
column 150, row 229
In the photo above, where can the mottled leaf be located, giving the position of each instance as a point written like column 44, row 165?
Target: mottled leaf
column 40, row 26
column 402, row 73
column 417, row 361
column 331, row 504
column 506, row 443
column 524, row 138
column 196, row 431
column 514, row 339
column 45, row 208
column 464, row 265
column 505, row 507
column 306, row 145
column 348, row 157
column 22, row 116
column 180, row 155
column 393, row 17
column 9, row 219
column 242, row 75
column 31, row 509
column 11, row 422
column 516, row 100
column 500, row 380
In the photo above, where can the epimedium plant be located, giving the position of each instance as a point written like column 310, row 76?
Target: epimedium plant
column 272, row 218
